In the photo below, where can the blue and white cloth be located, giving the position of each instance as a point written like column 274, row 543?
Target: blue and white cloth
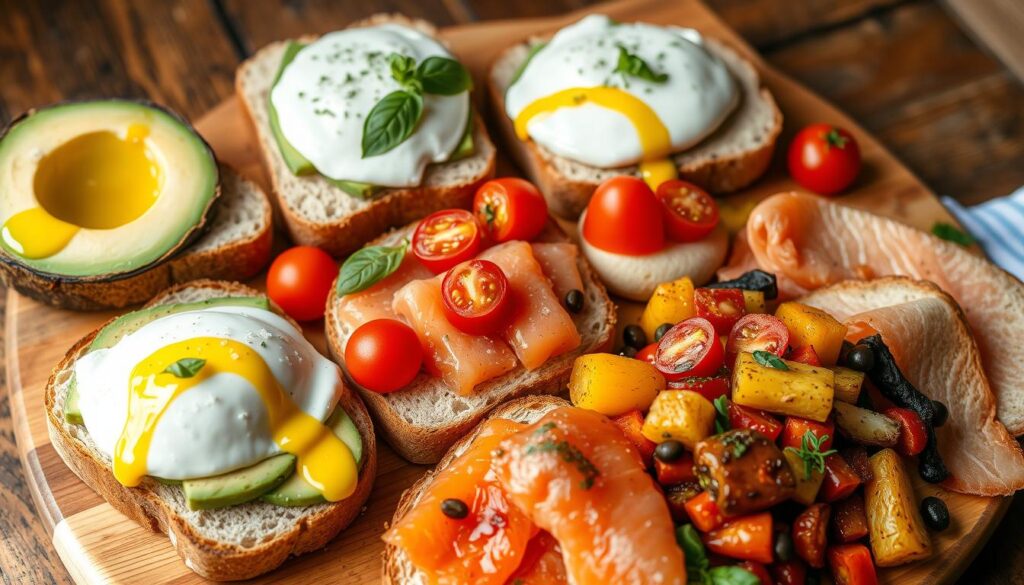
column 998, row 226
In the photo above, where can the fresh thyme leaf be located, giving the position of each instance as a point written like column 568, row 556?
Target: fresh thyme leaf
column 769, row 360
column 632, row 65
column 951, row 233
column 811, row 454
column 185, row 367
column 368, row 266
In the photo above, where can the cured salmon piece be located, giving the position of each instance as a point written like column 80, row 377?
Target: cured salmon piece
column 575, row 475
column 932, row 344
column 542, row 564
column 813, row 243
column 541, row 328
column 460, row 359
column 484, row 548
column 376, row 302
column 558, row 261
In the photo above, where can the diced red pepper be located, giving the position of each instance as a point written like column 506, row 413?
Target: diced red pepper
column 810, row 534
column 796, row 427
column 840, row 479
column 677, row 496
column 741, row 417
column 792, row 572
column 759, row 571
column 678, row 471
column 723, row 307
column 913, row 434
column 805, row 355
column 849, row 519
column 647, row 353
column 710, row 387
column 852, row 565
column 857, row 457
column 748, row 538
column 631, row 423
column 704, row 513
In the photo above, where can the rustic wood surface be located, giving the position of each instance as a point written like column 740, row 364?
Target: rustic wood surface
column 903, row 69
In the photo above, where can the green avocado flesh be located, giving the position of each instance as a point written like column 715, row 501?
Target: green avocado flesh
column 239, row 486
column 300, row 165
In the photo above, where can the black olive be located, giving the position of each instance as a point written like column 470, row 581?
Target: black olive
column 628, row 351
column 669, row 451
column 935, row 514
column 574, row 300
column 813, row 577
column 634, row 336
column 861, row 358
column 661, row 331
column 941, row 414
column 454, row 508
column 783, row 546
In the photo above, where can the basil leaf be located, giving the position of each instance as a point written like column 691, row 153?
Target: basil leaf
column 732, row 576
column 443, row 76
column 391, row 121
column 951, row 233
column 368, row 266
column 630, row 64
column 402, row 67
column 185, row 367
column 721, row 415
column 693, row 551
column 769, row 360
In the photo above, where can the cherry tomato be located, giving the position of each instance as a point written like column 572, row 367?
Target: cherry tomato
column 742, row 417
column 723, row 307
column 510, row 209
column 758, row 570
column 852, row 564
column 476, row 298
column 445, row 238
column 749, row 538
column 913, row 434
column 757, row 332
column 299, row 281
column 648, row 353
column 624, row 217
column 704, row 512
column 383, row 355
column 710, row 387
column 690, row 213
column 824, row 158
column 810, row 534
column 690, row 348
column 796, row 428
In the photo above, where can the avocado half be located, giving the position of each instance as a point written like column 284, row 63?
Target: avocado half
column 188, row 184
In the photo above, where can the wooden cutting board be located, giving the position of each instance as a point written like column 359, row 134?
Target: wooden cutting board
column 98, row 545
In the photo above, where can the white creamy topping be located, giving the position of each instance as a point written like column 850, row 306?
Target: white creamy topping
column 695, row 99
column 325, row 94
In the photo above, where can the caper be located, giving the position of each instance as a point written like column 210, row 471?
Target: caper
column 454, row 508
column 574, row 300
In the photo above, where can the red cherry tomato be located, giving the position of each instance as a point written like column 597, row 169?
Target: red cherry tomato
column 445, row 238
column 689, row 349
column 624, row 217
column 810, row 534
column 648, row 353
column 476, row 298
column 913, row 434
column 383, row 355
column 510, row 209
column 299, row 281
column 824, row 158
column 742, row 417
column 756, row 332
column 723, row 307
column 690, row 213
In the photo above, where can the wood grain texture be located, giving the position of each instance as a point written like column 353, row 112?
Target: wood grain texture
column 997, row 23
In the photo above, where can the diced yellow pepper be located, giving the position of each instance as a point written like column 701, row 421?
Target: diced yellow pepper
column 848, row 384
column 806, row 486
column 671, row 302
column 754, row 301
column 613, row 384
column 813, row 327
column 682, row 415
column 800, row 390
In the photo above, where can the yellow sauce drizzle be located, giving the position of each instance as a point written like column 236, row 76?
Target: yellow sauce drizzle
column 323, row 459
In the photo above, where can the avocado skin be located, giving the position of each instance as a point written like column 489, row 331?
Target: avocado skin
column 238, row 486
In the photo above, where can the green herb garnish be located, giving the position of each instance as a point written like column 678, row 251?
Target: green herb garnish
column 721, row 415
column 769, row 360
column 811, row 454
column 368, row 266
column 739, row 441
column 698, row 571
column 567, row 451
column 951, row 233
column 185, row 367
column 632, row 65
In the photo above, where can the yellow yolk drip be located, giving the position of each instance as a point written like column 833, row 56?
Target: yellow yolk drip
column 654, row 137
column 94, row 181
column 323, row 459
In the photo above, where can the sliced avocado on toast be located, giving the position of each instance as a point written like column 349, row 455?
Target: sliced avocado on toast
column 238, row 487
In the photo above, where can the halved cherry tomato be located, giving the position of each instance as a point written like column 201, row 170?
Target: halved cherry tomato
column 805, row 355
column 299, row 281
column 792, row 572
column 852, row 565
column 758, row 570
column 710, row 387
column 624, row 217
column 476, row 298
column 690, row 348
column 383, row 355
column 748, row 538
column 677, row 472
column 840, row 479
column 445, row 238
column 648, row 353
column 690, row 213
column 796, row 427
column 510, row 209
column 756, row 332
column 913, row 435
column 850, row 519
column 723, row 307
column 704, row 512
column 630, row 424
column 742, row 417
column 810, row 534
column 824, row 158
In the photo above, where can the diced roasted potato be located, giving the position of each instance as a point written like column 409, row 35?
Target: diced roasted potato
column 807, row 486
column 613, row 384
column 896, row 530
column 743, row 471
column 866, row 426
column 754, row 301
column 671, row 302
column 682, row 415
column 800, row 390
column 848, row 384
column 813, row 327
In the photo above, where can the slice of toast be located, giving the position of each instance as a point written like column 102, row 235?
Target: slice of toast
column 734, row 156
column 422, row 420
column 226, row 544
column 398, row 570
column 235, row 246
column 318, row 213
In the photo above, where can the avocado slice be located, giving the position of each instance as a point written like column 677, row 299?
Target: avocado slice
column 534, row 49
column 296, row 491
column 238, row 487
column 72, row 410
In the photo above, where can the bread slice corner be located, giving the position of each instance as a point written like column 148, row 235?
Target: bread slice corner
column 233, row 543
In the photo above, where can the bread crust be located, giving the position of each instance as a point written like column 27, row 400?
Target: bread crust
column 210, row 559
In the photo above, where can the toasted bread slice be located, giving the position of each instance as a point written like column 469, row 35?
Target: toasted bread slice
column 226, row 544
column 397, row 568
column 423, row 420
column 731, row 158
column 235, row 246
column 318, row 213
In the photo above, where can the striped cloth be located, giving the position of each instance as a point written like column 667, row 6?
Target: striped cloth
column 998, row 226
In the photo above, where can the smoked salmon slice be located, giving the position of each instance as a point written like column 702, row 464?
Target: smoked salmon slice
column 575, row 475
column 542, row 563
column 376, row 302
column 932, row 344
column 809, row 242
column 558, row 261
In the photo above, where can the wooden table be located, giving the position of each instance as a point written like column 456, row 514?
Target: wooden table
column 904, row 69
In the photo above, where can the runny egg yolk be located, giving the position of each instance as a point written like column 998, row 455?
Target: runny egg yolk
column 96, row 181
column 322, row 458
column 655, row 141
